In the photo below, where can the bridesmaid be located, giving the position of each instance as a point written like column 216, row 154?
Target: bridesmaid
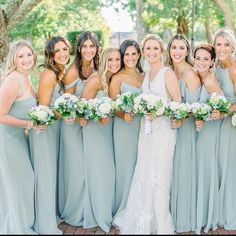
column 183, row 193
column 207, row 144
column 225, row 44
column 71, row 160
column 98, row 149
column 17, row 97
column 45, row 145
column 126, row 125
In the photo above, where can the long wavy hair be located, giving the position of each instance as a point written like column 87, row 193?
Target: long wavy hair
column 15, row 47
column 78, row 57
column 103, row 68
column 49, row 61
column 123, row 47
column 168, row 60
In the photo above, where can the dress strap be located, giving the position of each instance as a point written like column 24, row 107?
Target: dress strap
column 72, row 84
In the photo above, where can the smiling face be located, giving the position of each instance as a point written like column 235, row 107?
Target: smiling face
column 61, row 53
column 152, row 51
column 131, row 57
column 24, row 59
column 178, row 51
column 88, row 50
column 114, row 62
column 202, row 61
column 223, row 48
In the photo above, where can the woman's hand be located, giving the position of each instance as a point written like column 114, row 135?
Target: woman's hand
column 175, row 124
column 104, row 121
column 216, row 115
column 128, row 117
column 199, row 124
column 69, row 120
column 82, row 121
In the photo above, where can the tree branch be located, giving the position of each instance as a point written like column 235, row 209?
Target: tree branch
column 25, row 7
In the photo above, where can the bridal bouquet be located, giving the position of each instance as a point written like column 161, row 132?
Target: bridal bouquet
column 219, row 102
column 177, row 110
column 125, row 102
column 150, row 106
column 66, row 105
column 234, row 120
column 42, row 115
column 201, row 111
column 83, row 109
column 101, row 108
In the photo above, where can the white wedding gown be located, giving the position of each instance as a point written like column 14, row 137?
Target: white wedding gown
column 147, row 209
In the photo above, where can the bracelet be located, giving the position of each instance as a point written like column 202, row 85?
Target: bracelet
column 29, row 125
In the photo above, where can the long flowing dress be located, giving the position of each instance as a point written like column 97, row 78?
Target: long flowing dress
column 125, row 139
column 207, row 172
column 227, row 158
column 44, row 148
column 71, row 169
column 16, row 175
column 99, row 174
column 147, row 209
column 183, row 190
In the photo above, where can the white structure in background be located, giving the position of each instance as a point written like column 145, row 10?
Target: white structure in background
column 118, row 37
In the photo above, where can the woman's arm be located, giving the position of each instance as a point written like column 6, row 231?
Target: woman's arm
column 114, row 90
column 9, row 91
column 47, row 83
column 70, row 76
column 192, row 80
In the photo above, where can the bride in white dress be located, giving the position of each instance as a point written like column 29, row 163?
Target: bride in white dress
column 147, row 209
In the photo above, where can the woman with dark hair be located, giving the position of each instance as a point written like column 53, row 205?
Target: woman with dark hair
column 71, row 156
column 183, row 189
column 126, row 125
column 207, row 144
column 86, row 61
column 45, row 145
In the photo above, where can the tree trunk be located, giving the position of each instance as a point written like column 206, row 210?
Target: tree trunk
column 208, row 30
column 139, row 23
column 182, row 27
column 228, row 16
column 13, row 12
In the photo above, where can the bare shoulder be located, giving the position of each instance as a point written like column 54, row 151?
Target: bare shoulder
column 47, row 77
column 211, row 80
column 191, row 79
column 169, row 72
column 70, row 75
column 116, row 79
column 12, row 80
column 93, row 81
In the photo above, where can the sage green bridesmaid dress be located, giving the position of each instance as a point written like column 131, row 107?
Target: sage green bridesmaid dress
column 99, row 174
column 44, row 153
column 16, row 175
column 183, row 190
column 227, row 158
column 125, row 139
column 207, row 172
column 71, row 168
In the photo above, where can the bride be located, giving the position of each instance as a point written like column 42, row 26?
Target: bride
column 147, row 208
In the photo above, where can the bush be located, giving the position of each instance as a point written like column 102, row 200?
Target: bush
column 71, row 36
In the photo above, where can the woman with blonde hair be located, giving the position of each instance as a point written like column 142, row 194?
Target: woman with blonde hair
column 183, row 189
column 225, row 45
column 17, row 97
column 98, row 149
column 147, row 209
